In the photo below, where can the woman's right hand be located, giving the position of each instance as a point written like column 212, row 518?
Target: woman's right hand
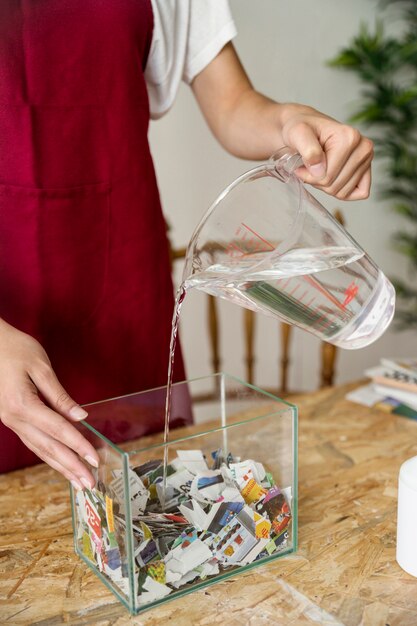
column 25, row 371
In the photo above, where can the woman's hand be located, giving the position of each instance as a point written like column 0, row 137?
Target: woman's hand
column 25, row 371
column 337, row 158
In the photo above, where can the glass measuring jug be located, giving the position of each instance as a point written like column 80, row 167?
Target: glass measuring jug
column 267, row 244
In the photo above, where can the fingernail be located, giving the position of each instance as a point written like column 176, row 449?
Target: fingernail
column 76, row 485
column 78, row 413
column 87, row 484
column 91, row 460
column 318, row 170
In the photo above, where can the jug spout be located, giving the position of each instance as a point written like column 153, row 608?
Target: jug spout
column 192, row 265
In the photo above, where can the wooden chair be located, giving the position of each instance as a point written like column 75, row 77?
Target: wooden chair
column 328, row 351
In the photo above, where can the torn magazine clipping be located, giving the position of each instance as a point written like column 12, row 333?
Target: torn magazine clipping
column 215, row 518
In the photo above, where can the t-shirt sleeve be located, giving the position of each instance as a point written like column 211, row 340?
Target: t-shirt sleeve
column 187, row 35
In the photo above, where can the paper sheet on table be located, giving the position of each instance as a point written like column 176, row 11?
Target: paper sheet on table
column 372, row 394
column 366, row 395
column 408, row 398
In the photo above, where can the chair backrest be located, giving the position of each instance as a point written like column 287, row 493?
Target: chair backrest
column 328, row 351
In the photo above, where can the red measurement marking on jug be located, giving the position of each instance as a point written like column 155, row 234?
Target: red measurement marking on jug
column 258, row 237
column 350, row 293
column 234, row 251
column 323, row 291
column 247, row 242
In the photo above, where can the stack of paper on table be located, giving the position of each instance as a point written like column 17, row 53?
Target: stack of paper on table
column 393, row 388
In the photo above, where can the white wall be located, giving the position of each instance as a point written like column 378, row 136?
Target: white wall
column 284, row 47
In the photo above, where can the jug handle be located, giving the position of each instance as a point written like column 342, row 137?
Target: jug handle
column 285, row 161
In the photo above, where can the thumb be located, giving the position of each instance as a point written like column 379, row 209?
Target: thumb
column 305, row 141
column 54, row 393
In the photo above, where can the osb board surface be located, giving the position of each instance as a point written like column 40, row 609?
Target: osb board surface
column 344, row 572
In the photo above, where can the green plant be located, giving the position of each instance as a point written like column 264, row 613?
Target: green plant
column 387, row 67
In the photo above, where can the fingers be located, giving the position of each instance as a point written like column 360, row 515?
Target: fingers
column 56, row 452
column 54, row 440
column 58, row 428
column 51, row 436
column 349, row 181
column 348, row 175
column 26, row 372
column 339, row 149
column 359, row 182
column 44, row 378
column 305, row 141
column 337, row 158
column 362, row 188
column 65, row 470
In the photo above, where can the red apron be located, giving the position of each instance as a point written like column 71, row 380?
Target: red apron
column 84, row 263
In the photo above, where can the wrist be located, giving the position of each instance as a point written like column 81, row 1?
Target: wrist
column 259, row 122
column 289, row 112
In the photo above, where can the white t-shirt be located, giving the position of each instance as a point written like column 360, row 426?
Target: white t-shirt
column 187, row 35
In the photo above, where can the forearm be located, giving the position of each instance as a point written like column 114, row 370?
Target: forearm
column 245, row 122
column 251, row 129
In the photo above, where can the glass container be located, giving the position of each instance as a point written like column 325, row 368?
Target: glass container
column 230, row 498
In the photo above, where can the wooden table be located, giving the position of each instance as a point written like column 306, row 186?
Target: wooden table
column 344, row 572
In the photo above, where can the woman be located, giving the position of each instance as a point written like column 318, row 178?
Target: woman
column 85, row 273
